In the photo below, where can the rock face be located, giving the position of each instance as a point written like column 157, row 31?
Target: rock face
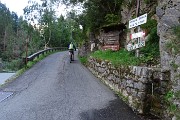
column 169, row 16
column 168, row 13
column 84, row 49
column 129, row 9
column 142, row 88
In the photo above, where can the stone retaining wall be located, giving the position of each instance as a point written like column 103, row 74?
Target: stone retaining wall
column 142, row 88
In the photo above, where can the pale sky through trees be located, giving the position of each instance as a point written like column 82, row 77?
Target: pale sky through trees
column 18, row 5
column 15, row 5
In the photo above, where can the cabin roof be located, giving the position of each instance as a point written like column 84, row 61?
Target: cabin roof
column 113, row 27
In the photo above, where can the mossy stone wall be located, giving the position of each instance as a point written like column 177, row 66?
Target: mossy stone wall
column 143, row 88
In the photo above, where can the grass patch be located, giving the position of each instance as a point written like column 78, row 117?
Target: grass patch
column 122, row 57
column 124, row 98
column 83, row 60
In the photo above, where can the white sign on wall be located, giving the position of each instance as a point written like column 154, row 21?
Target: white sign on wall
column 138, row 21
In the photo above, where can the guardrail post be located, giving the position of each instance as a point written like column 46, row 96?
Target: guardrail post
column 25, row 60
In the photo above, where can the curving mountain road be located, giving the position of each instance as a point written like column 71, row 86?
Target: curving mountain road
column 55, row 89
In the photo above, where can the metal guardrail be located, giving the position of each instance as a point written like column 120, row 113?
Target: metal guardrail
column 37, row 54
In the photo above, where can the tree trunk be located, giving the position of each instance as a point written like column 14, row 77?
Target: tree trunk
column 49, row 36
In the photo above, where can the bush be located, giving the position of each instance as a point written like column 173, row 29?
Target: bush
column 149, row 25
column 112, row 18
column 14, row 65
column 83, row 60
column 151, row 50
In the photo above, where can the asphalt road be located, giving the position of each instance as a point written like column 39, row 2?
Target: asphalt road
column 55, row 89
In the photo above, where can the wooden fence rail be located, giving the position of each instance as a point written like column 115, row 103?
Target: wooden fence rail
column 37, row 54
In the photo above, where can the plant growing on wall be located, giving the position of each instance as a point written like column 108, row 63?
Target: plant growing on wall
column 174, row 42
column 151, row 50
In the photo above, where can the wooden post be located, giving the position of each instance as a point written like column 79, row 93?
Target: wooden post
column 137, row 14
column 137, row 9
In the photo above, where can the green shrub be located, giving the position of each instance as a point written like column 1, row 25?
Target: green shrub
column 112, row 18
column 151, row 51
column 13, row 65
column 151, row 23
column 83, row 60
column 147, row 1
column 30, row 64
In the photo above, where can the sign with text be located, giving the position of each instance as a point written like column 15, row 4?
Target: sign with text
column 138, row 21
column 112, row 47
column 137, row 41
column 133, row 46
column 111, row 39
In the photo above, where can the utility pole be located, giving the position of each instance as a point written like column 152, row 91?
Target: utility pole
column 137, row 14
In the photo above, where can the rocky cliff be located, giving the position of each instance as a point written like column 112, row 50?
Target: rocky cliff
column 168, row 12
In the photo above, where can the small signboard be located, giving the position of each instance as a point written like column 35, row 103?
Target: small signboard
column 112, row 47
column 138, row 21
column 133, row 46
column 111, row 41
column 137, row 41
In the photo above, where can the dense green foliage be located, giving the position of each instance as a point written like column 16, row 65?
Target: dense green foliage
column 151, row 23
column 14, row 33
column 97, row 13
column 151, row 51
column 55, row 31
column 100, row 13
